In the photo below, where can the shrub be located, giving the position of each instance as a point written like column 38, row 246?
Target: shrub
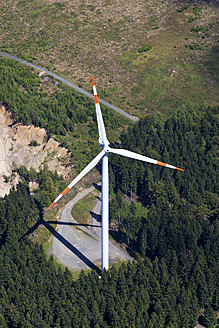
column 180, row 10
column 59, row 5
column 145, row 48
column 33, row 143
column 191, row 19
column 195, row 46
column 196, row 10
column 197, row 29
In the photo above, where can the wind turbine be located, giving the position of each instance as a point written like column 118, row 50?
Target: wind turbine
column 104, row 144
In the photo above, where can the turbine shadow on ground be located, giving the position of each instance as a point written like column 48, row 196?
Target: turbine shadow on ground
column 97, row 186
column 73, row 249
column 96, row 217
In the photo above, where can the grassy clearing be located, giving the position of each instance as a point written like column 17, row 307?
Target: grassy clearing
column 165, row 90
column 44, row 236
column 57, row 265
column 117, row 264
column 81, row 211
column 76, row 274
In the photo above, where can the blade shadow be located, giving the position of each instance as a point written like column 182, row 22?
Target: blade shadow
column 74, row 224
column 31, row 230
column 73, row 249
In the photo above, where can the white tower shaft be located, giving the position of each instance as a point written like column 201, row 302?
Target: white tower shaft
column 105, row 213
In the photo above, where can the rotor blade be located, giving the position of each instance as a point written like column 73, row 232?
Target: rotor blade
column 100, row 123
column 80, row 175
column 130, row 154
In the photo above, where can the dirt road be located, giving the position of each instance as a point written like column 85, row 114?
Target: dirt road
column 77, row 247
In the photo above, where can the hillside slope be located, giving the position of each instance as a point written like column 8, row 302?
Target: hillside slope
column 145, row 56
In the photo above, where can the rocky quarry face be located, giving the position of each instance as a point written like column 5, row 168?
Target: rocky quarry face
column 16, row 150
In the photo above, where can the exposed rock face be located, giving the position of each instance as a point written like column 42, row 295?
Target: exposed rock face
column 16, row 150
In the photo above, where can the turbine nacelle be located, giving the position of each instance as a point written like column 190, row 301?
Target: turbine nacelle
column 103, row 143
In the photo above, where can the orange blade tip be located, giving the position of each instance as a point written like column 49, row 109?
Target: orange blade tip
column 51, row 205
column 93, row 81
column 178, row 168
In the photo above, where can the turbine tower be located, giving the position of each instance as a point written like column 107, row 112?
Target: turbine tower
column 104, row 144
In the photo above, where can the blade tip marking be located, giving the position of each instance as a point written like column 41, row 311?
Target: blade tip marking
column 50, row 205
column 161, row 163
column 96, row 99
column 93, row 81
column 178, row 168
column 64, row 191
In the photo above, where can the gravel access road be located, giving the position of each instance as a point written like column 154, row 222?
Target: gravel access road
column 77, row 247
column 134, row 119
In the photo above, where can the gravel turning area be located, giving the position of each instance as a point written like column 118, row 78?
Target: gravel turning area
column 77, row 247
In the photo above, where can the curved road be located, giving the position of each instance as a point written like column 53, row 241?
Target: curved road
column 77, row 247
column 71, row 85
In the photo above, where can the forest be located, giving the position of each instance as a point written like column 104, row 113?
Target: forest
column 173, row 281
